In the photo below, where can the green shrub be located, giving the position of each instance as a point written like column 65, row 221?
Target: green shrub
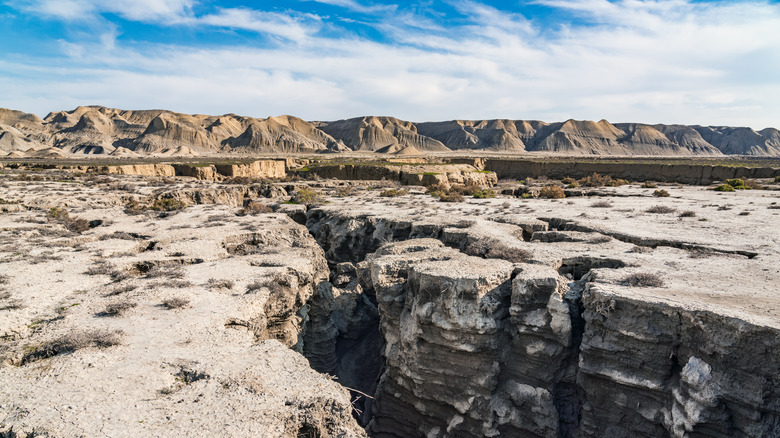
column 618, row 183
column 486, row 193
column 724, row 188
column 551, row 192
column 526, row 196
column 777, row 179
column 572, row 185
column 308, row 196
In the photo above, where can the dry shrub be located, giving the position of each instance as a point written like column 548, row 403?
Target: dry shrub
column 643, row 280
column 660, row 209
column 551, row 192
column 649, row 185
column 392, row 193
column 483, row 194
column 167, row 204
column 71, row 223
column 175, row 303
column 70, row 343
column 601, row 204
column 492, row 249
column 661, row 193
column 116, row 309
column 307, row 196
column 688, row 213
column 213, row 283
column 254, row 208
column 596, row 180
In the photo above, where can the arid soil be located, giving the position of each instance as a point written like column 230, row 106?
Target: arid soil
column 172, row 306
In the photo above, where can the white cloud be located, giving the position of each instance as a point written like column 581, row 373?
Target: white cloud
column 647, row 61
column 357, row 6
column 139, row 10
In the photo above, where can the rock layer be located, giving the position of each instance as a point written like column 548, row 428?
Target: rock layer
column 98, row 130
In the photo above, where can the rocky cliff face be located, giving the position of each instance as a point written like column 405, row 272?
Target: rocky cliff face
column 99, row 130
column 554, row 345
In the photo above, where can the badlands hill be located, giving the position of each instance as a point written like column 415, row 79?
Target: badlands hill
column 95, row 130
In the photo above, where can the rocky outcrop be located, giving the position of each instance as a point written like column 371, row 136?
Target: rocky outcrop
column 407, row 174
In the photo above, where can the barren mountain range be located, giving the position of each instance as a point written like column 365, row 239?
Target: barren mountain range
column 92, row 130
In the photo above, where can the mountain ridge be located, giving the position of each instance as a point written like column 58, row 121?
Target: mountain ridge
column 98, row 130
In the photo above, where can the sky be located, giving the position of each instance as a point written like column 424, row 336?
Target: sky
column 668, row 61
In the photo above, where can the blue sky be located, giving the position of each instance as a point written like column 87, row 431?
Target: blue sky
column 670, row 61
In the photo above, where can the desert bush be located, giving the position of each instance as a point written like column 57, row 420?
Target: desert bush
column 492, row 249
column 688, row 213
column 213, row 283
column 4, row 279
column 777, row 179
column 116, row 309
column 600, row 239
column 661, row 193
column 660, row 209
column 601, row 204
column 392, row 193
column 753, row 184
column 121, row 289
column 70, row 343
column 167, row 204
column 724, row 188
column 595, row 180
column 175, row 303
column 486, row 193
column 254, row 208
column 465, row 190
column 572, row 185
column 452, row 197
column 551, row 192
column 71, row 223
column 568, row 180
column 618, row 182
column 643, row 280
column 307, row 196
column 649, row 185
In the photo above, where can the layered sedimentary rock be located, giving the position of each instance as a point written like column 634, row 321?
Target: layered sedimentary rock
column 97, row 130
column 385, row 134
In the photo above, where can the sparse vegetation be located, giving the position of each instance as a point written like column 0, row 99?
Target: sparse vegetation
column 492, row 249
column 595, row 180
column 175, row 303
column 601, row 204
column 552, row 192
column 70, row 343
column 392, row 193
column 643, row 280
column 661, row 193
column 445, row 193
column 167, row 204
column 660, row 209
column 724, row 188
column 213, row 283
column 649, row 185
column 307, row 196
column 72, row 224
column 688, row 213
column 485, row 193
column 254, row 208
column 116, row 309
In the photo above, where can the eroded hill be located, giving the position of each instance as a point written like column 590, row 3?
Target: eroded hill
column 95, row 130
